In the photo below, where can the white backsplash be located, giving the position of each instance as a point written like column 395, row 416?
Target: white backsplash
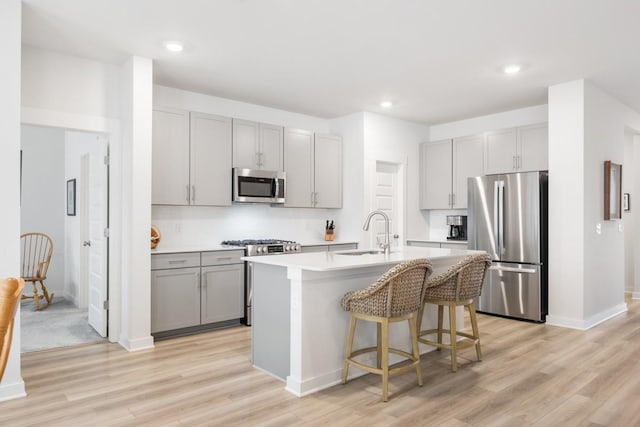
column 194, row 225
column 438, row 228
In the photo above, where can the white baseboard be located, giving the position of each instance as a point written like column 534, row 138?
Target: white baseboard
column 584, row 324
column 12, row 391
column 138, row 344
column 635, row 295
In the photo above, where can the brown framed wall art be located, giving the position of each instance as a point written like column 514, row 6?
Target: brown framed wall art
column 612, row 190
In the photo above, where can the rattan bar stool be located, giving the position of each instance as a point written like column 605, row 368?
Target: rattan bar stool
column 396, row 296
column 459, row 285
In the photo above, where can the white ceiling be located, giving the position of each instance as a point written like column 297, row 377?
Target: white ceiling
column 437, row 60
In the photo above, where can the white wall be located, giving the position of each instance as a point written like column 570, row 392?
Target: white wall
column 61, row 84
column 11, row 385
column 632, row 234
column 586, row 272
column 396, row 141
column 191, row 225
column 629, row 167
column 43, row 195
column 476, row 125
column 136, row 96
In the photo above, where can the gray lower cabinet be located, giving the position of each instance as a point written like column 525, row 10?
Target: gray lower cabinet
column 194, row 289
column 175, row 298
column 222, row 298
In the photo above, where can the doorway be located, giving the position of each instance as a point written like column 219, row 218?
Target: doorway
column 54, row 161
column 388, row 197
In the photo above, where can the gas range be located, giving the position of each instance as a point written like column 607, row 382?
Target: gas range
column 255, row 247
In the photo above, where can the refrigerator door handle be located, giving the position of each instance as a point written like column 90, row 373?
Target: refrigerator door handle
column 514, row 270
column 496, row 208
column 501, row 217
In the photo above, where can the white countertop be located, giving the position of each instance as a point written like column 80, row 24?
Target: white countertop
column 331, row 261
column 205, row 247
column 462, row 242
column 196, row 248
column 327, row 242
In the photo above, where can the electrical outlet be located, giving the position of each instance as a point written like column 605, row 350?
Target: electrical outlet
column 620, row 226
column 598, row 228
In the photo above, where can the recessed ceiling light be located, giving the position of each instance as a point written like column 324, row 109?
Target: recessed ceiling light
column 386, row 104
column 511, row 69
column 174, row 46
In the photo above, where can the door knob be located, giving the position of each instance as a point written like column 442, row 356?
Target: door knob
column 396, row 236
column 86, row 243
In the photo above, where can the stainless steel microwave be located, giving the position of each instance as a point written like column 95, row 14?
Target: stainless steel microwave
column 258, row 186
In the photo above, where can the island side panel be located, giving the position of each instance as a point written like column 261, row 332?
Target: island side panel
column 319, row 326
column 271, row 322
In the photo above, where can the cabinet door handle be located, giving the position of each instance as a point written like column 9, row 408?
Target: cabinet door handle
column 519, row 162
column 228, row 258
column 193, row 193
column 514, row 163
column 315, row 199
column 177, row 261
column 453, row 199
column 188, row 200
column 203, row 280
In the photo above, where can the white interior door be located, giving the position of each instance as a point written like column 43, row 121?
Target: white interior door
column 95, row 242
column 387, row 198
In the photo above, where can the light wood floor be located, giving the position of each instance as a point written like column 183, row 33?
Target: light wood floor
column 531, row 375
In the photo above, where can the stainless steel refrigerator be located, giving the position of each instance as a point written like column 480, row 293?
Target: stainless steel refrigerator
column 507, row 217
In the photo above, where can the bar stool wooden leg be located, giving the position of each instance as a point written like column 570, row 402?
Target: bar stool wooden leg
column 347, row 352
column 379, row 345
column 414, row 345
column 385, row 360
column 440, row 321
column 476, row 332
column 452, row 336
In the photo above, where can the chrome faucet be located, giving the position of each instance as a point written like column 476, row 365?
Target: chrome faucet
column 386, row 245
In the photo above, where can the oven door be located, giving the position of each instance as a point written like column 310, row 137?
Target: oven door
column 258, row 186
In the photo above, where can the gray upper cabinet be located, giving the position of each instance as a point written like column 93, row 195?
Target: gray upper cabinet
column 521, row 149
column 445, row 167
column 328, row 171
column 313, row 164
column 257, row 145
column 170, row 171
column 210, row 160
column 191, row 158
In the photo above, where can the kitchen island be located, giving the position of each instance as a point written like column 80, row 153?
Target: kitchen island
column 299, row 329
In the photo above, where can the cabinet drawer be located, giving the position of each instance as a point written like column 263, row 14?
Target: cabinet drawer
column 222, row 257
column 342, row 247
column 177, row 260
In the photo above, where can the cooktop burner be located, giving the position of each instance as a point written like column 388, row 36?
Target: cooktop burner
column 248, row 242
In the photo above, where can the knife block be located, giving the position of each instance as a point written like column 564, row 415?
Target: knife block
column 328, row 235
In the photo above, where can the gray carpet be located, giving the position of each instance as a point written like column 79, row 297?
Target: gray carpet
column 59, row 325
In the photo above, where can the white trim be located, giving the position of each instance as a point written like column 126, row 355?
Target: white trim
column 138, row 344
column 59, row 119
column 635, row 295
column 12, row 391
column 589, row 323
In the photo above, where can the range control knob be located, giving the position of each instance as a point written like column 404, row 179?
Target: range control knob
column 259, row 250
column 288, row 248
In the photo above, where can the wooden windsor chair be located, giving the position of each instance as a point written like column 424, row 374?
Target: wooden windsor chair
column 35, row 252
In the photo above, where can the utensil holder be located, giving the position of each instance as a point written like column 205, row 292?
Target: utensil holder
column 328, row 235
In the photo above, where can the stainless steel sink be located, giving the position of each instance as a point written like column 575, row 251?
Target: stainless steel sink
column 361, row 252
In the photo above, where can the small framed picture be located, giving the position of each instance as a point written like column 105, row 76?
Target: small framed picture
column 71, row 197
column 626, row 202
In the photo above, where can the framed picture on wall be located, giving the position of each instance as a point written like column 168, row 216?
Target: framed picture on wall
column 71, row 197
column 612, row 190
